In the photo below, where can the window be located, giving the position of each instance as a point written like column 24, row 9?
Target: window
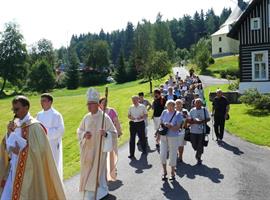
column 260, row 65
column 220, row 50
column 219, row 39
column 255, row 23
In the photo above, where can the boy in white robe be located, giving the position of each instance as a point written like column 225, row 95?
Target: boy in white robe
column 54, row 123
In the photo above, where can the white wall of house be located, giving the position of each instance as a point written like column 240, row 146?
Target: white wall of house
column 262, row 87
column 223, row 45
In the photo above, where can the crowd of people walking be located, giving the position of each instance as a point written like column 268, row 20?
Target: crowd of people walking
column 31, row 152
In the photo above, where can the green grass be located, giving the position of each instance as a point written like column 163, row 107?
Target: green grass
column 221, row 64
column 72, row 105
column 224, row 63
column 251, row 125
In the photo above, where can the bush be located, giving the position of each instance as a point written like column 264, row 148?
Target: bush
column 230, row 73
column 253, row 98
column 234, row 85
column 211, row 60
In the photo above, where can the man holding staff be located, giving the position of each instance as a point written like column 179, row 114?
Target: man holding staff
column 91, row 134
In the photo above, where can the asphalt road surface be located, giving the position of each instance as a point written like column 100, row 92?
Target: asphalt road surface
column 234, row 170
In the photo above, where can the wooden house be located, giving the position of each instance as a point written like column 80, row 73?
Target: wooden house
column 252, row 29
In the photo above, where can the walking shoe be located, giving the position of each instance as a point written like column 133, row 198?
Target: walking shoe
column 131, row 157
column 164, row 177
column 172, row 178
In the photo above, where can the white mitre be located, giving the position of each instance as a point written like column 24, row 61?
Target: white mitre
column 92, row 95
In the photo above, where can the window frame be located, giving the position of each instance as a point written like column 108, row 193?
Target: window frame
column 252, row 23
column 266, row 61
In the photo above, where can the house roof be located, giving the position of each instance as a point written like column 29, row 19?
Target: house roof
column 234, row 30
column 225, row 27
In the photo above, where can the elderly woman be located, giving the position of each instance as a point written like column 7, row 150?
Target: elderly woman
column 182, row 142
column 171, row 119
column 113, row 155
column 199, row 116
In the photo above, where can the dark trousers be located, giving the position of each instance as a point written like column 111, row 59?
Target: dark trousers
column 197, row 144
column 139, row 129
column 219, row 126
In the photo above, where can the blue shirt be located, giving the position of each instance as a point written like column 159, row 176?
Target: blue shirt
column 177, row 120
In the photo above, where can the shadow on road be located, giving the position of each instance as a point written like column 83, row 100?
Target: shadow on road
column 109, row 197
column 140, row 164
column 191, row 172
column 174, row 191
column 231, row 148
column 114, row 185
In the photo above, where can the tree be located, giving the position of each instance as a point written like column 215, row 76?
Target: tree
column 144, row 45
column 212, row 21
column 129, row 40
column 13, row 55
column 162, row 37
column 42, row 77
column 72, row 76
column 224, row 15
column 121, row 74
column 159, row 66
column 99, row 55
column 202, row 53
column 43, row 50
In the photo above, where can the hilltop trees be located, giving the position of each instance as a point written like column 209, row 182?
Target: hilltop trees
column 142, row 51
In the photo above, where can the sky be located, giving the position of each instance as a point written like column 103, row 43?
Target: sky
column 58, row 20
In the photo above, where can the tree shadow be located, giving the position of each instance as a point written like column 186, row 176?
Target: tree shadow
column 174, row 191
column 231, row 148
column 190, row 171
column 114, row 185
column 140, row 164
column 258, row 113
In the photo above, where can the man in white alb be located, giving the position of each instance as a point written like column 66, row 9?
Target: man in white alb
column 53, row 122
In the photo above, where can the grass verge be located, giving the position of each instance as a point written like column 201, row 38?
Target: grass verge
column 245, row 122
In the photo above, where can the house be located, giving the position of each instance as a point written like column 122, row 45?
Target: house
column 222, row 45
column 252, row 29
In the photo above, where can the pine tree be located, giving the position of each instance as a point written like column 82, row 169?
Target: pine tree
column 72, row 76
column 121, row 74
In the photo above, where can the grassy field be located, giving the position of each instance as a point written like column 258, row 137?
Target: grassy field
column 221, row 64
column 249, row 124
column 72, row 105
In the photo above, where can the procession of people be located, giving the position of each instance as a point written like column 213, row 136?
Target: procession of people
column 31, row 154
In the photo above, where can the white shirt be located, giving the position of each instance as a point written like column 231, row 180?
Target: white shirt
column 137, row 112
column 54, row 123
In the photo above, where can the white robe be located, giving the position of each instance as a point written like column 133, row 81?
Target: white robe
column 54, row 123
column 14, row 137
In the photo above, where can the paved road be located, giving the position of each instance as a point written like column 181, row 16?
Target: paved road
column 235, row 170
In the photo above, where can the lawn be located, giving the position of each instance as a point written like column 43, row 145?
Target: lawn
column 249, row 124
column 226, row 63
column 72, row 105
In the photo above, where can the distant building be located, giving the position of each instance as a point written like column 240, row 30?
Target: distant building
column 252, row 29
column 222, row 45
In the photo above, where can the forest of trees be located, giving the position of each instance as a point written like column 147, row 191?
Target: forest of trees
column 146, row 50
